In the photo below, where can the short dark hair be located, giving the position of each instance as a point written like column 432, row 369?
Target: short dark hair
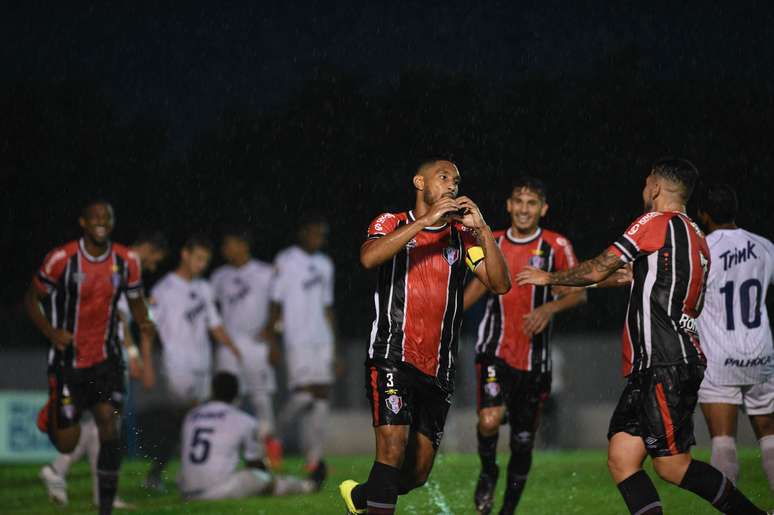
column 93, row 201
column 431, row 160
column 155, row 239
column 719, row 201
column 312, row 219
column 198, row 241
column 225, row 387
column 677, row 170
column 242, row 233
column 532, row 184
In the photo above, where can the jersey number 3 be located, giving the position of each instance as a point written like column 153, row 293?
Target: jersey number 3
column 200, row 445
column 750, row 293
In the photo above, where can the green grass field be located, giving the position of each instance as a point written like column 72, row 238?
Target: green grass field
column 560, row 483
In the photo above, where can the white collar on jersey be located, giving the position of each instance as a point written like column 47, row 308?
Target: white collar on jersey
column 531, row 237
column 436, row 228
column 91, row 258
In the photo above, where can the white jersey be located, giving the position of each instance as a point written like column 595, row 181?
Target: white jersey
column 303, row 285
column 734, row 325
column 213, row 435
column 243, row 296
column 184, row 313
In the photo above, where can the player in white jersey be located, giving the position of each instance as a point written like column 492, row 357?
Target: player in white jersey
column 242, row 287
column 302, row 298
column 185, row 315
column 214, row 437
column 735, row 333
column 151, row 248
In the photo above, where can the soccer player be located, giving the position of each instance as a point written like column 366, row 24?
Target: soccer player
column 185, row 313
column 81, row 283
column 242, row 288
column 150, row 248
column 422, row 256
column 662, row 358
column 735, row 333
column 302, row 298
column 513, row 367
column 214, row 437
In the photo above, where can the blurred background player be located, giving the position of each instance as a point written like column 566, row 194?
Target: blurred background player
column 735, row 333
column 242, row 288
column 662, row 357
column 185, row 313
column 302, row 303
column 513, row 365
column 422, row 257
column 151, row 249
column 215, row 436
column 81, row 283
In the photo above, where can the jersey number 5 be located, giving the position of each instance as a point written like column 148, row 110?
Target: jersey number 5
column 751, row 318
column 200, row 445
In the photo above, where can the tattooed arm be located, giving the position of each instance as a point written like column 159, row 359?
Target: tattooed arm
column 586, row 273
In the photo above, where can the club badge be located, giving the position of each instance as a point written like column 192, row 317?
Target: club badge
column 394, row 403
column 537, row 261
column 452, row 255
column 492, row 389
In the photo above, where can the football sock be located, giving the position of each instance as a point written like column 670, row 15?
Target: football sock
column 108, row 463
column 640, row 495
column 708, row 483
column 382, row 489
column 313, row 430
column 518, row 469
column 767, row 458
column 360, row 496
column 300, row 402
column 487, row 452
column 724, row 457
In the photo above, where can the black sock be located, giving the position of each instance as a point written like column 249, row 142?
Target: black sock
column 382, row 489
column 108, row 463
column 487, row 452
column 710, row 484
column 360, row 495
column 518, row 469
column 640, row 495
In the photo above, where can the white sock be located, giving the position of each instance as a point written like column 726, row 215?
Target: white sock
column 724, row 456
column 264, row 412
column 63, row 462
column 299, row 402
column 314, row 429
column 767, row 457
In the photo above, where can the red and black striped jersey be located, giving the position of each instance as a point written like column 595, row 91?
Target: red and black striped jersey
column 501, row 331
column 83, row 291
column 418, row 298
column 671, row 262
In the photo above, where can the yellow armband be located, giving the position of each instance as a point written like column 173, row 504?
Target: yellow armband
column 473, row 257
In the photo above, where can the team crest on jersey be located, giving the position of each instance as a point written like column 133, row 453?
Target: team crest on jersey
column 492, row 389
column 78, row 277
column 537, row 261
column 394, row 403
column 452, row 255
column 412, row 244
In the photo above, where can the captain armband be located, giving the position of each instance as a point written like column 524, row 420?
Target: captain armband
column 473, row 257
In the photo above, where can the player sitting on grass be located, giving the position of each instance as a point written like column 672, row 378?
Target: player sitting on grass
column 214, row 435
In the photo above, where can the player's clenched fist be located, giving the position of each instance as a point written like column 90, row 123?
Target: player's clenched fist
column 61, row 338
column 470, row 214
column 440, row 209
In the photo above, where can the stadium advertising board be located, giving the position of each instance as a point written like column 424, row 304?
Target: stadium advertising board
column 20, row 440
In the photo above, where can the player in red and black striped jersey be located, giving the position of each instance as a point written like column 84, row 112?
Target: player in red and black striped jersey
column 422, row 256
column 513, row 365
column 80, row 284
column 662, row 358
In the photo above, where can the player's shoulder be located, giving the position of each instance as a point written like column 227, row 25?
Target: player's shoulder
column 391, row 216
column 556, row 239
column 64, row 250
column 650, row 220
column 260, row 266
column 499, row 233
column 219, row 273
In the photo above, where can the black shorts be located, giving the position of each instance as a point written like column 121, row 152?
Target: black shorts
column 657, row 405
column 521, row 392
column 71, row 392
column 402, row 396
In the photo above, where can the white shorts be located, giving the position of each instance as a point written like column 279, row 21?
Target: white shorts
column 185, row 385
column 255, row 373
column 245, row 483
column 757, row 399
column 309, row 365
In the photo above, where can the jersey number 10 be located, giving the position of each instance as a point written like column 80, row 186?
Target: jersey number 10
column 750, row 318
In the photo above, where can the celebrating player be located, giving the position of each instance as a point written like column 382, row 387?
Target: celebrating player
column 421, row 255
column 242, row 287
column 82, row 282
column 662, row 358
column 215, row 434
column 735, row 333
column 151, row 248
column 513, row 368
column 184, row 310
column 302, row 298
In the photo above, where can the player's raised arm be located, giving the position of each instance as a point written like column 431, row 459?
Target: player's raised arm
column 491, row 270
column 587, row 273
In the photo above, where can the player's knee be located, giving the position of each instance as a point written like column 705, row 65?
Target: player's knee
column 522, row 442
column 489, row 422
column 671, row 470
